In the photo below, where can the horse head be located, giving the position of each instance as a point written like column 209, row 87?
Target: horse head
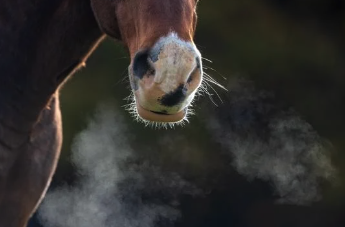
column 165, row 71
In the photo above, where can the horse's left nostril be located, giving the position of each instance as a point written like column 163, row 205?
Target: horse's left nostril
column 195, row 74
column 197, row 70
column 141, row 64
column 175, row 97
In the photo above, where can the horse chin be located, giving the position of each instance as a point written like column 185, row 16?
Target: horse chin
column 151, row 116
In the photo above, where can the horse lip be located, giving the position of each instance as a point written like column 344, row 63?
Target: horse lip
column 158, row 116
column 160, row 113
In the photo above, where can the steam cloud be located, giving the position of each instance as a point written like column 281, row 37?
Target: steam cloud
column 115, row 188
column 269, row 141
column 120, row 188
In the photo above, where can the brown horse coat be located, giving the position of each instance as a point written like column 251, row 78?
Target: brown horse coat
column 41, row 43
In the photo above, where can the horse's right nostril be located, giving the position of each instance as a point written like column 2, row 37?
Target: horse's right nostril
column 141, row 64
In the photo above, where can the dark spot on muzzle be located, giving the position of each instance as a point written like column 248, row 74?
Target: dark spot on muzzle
column 175, row 97
column 141, row 65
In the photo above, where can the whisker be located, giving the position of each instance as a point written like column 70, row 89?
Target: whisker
column 216, row 93
column 206, row 59
column 120, row 58
column 204, row 89
column 213, row 81
column 207, row 75
column 210, row 68
column 124, row 79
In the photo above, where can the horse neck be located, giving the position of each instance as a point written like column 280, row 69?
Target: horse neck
column 41, row 43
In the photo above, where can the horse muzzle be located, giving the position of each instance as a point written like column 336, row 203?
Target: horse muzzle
column 165, row 78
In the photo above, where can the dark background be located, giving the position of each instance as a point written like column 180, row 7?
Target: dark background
column 294, row 48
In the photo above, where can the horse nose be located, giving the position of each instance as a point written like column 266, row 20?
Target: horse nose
column 165, row 78
column 142, row 64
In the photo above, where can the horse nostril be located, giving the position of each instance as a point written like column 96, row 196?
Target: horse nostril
column 196, row 72
column 141, row 64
